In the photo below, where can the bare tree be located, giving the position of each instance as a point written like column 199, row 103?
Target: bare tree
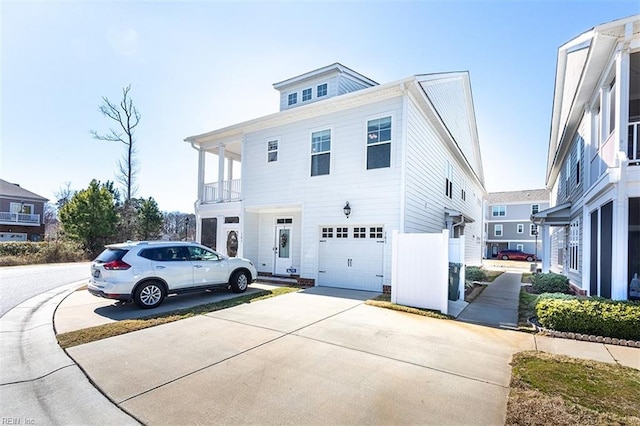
column 127, row 117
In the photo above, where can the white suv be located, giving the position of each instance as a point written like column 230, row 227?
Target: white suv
column 146, row 272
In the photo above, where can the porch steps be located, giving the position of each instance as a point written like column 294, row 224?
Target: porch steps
column 270, row 279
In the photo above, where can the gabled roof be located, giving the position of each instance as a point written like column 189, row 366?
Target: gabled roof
column 333, row 68
column 581, row 62
column 13, row 190
column 524, row 196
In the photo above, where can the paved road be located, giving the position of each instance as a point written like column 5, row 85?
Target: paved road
column 20, row 283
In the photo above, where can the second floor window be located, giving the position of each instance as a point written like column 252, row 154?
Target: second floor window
column 497, row 231
column 293, row 98
column 520, row 228
column 272, row 151
column 448, row 181
column 498, row 211
column 379, row 143
column 306, row 95
column 321, row 90
column 320, row 152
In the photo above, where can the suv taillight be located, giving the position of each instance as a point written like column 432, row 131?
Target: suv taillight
column 116, row 265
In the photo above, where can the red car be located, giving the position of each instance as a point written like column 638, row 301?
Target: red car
column 516, row 255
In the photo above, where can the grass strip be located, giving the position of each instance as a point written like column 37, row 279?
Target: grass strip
column 91, row 334
column 492, row 275
column 384, row 301
column 526, row 277
column 526, row 307
column 558, row 390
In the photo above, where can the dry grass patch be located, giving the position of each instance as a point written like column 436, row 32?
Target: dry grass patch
column 86, row 335
column 384, row 301
column 553, row 389
column 492, row 275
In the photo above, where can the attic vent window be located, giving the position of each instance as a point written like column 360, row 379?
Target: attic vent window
column 306, row 95
column 322, row 90
column 293, row 98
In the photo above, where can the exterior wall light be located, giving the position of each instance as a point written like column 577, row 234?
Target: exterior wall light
column 347, row 210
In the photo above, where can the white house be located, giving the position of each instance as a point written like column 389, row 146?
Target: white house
column 345, row 161
column 591, row 232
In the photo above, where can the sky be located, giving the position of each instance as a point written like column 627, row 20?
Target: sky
column 197, row 66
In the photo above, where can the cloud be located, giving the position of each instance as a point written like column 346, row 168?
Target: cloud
column 124, row 41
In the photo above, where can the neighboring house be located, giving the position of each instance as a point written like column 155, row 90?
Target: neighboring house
column 591, row 233
column 21, row 213
column 508, row 221
column 344, row 163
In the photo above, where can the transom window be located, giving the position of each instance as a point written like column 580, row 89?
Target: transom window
column 359, row 232
column 342, row 232
column 284, row 221
column 321, row 90
column 379, row 143
column 327, row 232
column 497, row 231
column 375, row 232
column 306, row 95
column 293, row 98
column 320, row 152
column 498, row 211
column 272, row 151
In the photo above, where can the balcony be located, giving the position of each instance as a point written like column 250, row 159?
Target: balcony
column 26, row 219
column 221, row 192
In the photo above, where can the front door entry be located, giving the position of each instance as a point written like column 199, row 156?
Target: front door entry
column 282, row 250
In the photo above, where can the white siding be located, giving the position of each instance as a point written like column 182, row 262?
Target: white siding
column 346, row 85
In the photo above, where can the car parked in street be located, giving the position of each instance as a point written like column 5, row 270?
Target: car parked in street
column 146, row 272
column 516, row 255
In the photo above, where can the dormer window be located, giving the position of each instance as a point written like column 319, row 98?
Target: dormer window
column 306, row 95
column 293, row 98
column 322, row 90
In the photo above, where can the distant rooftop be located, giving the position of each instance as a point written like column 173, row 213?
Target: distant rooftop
column 527, row 195
column 13, row 190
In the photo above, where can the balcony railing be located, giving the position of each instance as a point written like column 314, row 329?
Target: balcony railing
column 20, row 218
column 230, row 191
column 633, row 143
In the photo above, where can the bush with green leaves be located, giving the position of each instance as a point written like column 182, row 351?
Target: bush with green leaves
column 550, row 283
column 600, row 317
column 474, row 273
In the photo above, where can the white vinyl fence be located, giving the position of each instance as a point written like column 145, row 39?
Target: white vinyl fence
column 420, row 269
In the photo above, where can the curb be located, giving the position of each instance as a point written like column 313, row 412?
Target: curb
column 584, row 337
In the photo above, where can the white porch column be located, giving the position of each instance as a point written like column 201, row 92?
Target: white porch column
column 230, row 169
column 546, row 248
column 585, row 248
column 220, row 172
column 201, row 166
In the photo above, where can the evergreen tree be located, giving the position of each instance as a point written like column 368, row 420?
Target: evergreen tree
column 149, row 220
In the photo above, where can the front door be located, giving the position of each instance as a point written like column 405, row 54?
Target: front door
column 282, row 250
column 231, row 237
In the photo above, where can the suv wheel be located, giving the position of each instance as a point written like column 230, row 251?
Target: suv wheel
column 239, row 281
column 149, row 295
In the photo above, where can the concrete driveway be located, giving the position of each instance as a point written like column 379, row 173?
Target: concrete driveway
column 319, row 356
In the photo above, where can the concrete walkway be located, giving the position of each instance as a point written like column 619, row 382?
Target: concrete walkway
column 497, row 305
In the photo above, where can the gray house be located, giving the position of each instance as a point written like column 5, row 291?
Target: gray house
column 508, row 224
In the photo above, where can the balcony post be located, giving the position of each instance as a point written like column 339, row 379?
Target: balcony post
column 201, row 165
column 220, row 173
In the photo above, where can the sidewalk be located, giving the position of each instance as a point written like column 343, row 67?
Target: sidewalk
column 497, row 305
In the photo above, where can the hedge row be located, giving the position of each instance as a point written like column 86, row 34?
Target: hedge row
column 550, row 283
column 600, row 317
column 27, row 252
column 474, row 273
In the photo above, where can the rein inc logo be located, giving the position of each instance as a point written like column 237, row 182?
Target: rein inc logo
column 16, row 421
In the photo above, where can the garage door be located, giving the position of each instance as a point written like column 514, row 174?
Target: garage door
column 351, row 257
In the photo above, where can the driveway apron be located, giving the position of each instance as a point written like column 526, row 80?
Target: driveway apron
column 497, row 305
column 319, row 356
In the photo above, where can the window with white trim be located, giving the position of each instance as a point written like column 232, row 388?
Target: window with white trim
column 321, row 90
column 21, row 208
column 272, row 151
column 611, row 103
column 498, row 211
column 359, row 232
column 293, row 98
column 375, row 232
column 574, row 244
column 578, row 158
column 448, row 181
column 342, row 232
column 320, row 152
column 534, row 230
column 520, row 228
column 327, row 232
column 535, row 208
column 379, row 143
column 520, row 247
column 306, row 95
column 497, row 231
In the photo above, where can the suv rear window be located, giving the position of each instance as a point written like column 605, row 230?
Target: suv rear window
column 111, row 254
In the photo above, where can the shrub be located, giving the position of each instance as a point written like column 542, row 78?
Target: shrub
column 550, row 283
column 556, row 296
column 474, row 273
column 608, row 318
column 27, row 252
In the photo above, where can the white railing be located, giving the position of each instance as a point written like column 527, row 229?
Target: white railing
column 633, row 143
column 20, row 218
column 230, row 191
